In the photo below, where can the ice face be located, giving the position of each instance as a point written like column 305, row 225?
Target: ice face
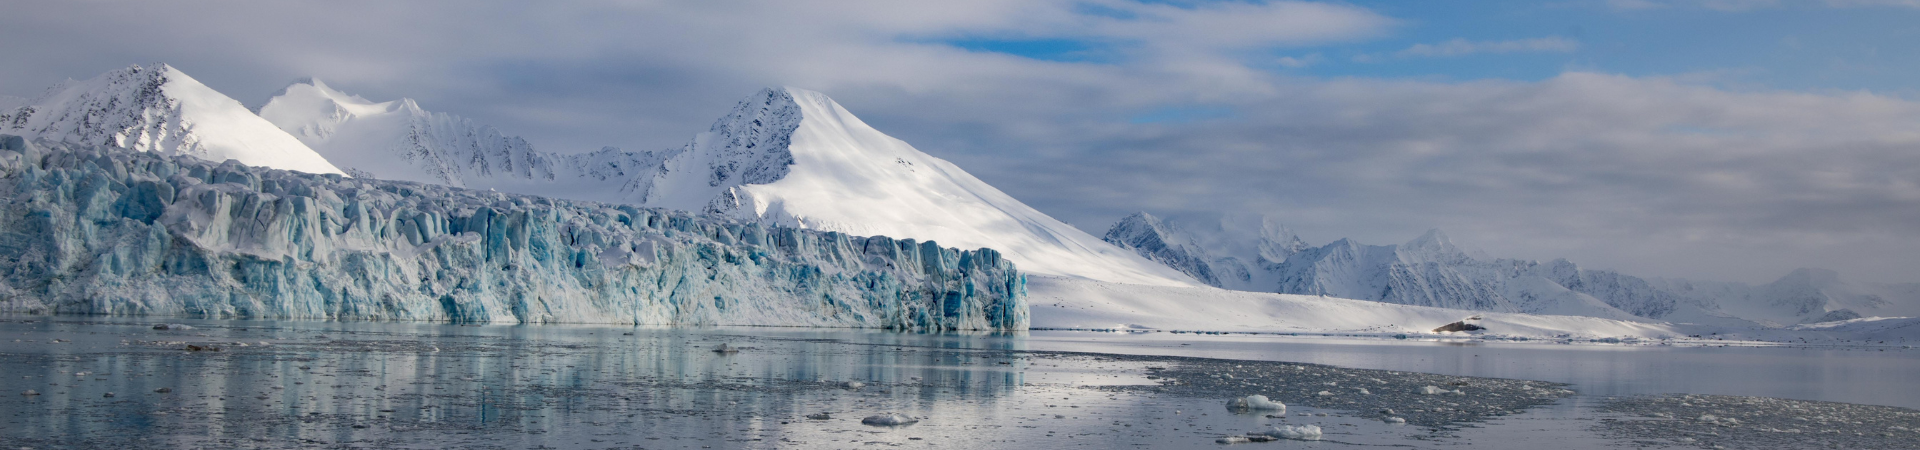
column 98, row 230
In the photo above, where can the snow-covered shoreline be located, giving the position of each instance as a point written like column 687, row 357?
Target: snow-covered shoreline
column 1077, row 304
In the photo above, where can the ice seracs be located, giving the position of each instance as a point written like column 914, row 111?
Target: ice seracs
column 109, row 231
column 158, row 108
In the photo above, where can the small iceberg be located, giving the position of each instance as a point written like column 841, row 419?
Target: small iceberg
column 889, row 420
column 1255, row 403
column 1298, row 433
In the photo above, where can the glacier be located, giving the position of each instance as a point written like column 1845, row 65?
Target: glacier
column 93, row 229
column 158, row 108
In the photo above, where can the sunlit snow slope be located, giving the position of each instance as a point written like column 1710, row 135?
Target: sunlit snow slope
column 397, row 140
column 794, row 157
column 157, row 108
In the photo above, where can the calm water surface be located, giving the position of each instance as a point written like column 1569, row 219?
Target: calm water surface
column 388, row 385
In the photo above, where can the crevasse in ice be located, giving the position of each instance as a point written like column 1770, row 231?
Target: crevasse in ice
column 101, row 230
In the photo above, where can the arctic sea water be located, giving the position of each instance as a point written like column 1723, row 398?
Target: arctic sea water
column 287, row 384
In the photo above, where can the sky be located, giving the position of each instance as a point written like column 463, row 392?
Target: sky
column 1729, row 140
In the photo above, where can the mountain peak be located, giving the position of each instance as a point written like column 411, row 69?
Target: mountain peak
column 158, row 108
column 794, row 157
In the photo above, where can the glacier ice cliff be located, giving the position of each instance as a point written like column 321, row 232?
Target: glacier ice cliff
column 89, row 229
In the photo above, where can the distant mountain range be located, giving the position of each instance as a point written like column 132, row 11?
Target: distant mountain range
column 1255, row 253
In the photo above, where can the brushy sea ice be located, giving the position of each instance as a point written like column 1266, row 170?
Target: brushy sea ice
column 1255, row 403
column 1299, row 432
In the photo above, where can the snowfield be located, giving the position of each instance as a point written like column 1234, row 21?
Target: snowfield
column 1083, row 304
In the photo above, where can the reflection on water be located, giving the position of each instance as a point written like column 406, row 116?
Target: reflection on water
column 369, row 383
column 388, row 385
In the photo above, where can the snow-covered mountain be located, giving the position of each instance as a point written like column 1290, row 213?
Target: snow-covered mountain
column 1234, row 252
column 1431, row 271
column 794, row 157
column 157, row 108
column 787, row 157
column 398, row 140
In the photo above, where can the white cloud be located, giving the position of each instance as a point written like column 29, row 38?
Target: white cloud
column 1300, row 62
column 1462, row 47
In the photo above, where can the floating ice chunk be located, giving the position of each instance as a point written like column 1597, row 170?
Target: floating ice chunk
column 30, row 393
column 1298, row 433
column 1255, row 403
column 171, row 326
column 819, row 416
column 1394, row 420
column 853, row 385
column 889, row 420
column 1324, row 394
column 1431, row 390
column 1232, row 440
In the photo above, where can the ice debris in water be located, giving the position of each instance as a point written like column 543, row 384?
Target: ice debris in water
column 1255, row 403
column 30, row 393
column 1298, row 433
column 889, row 420
column 1721, row 421
column 171, row 326
column 819, row 416
column 1394, row 420
column 853, row 385
column 1432, row 390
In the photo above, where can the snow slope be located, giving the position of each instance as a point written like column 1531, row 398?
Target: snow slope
column 98, row 230
column 157, row 108
column 398, row 140
column 794, row 157
column 1086, row 304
